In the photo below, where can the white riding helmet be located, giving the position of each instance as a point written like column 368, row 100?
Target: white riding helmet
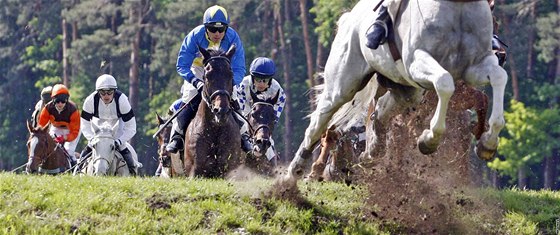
column 105, row 81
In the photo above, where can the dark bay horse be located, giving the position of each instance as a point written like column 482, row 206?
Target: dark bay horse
column 44, row 154
column 212, row 139
column 262, row 119
column 172, row 164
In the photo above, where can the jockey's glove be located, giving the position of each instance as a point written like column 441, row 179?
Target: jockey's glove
column 198, row 84
column 235, row 104
column 59, row 139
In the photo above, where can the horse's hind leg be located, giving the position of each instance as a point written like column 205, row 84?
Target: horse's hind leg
column 426, row 70
column 489, row 70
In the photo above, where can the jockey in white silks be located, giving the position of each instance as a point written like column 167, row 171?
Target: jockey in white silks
column 108, row 104
column 381, row 29
column 214, row 33
column 260, row 82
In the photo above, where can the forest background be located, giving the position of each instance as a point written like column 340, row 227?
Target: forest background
column 44, row 42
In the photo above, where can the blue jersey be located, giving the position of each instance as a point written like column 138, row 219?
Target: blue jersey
column 189, row 56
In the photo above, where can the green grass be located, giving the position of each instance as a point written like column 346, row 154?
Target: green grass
column 94, row 205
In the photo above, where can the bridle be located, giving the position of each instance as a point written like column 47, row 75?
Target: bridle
column 44, row 159
column 209, row 98
column 254, row 131
column 98, row 157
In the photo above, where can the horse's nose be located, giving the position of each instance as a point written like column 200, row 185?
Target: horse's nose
column 263, row 142
column 221, row 110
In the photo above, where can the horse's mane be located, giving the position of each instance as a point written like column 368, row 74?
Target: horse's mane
column 353, row 113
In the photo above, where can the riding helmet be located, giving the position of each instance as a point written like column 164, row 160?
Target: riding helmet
column 262, row 67
column 216, row 16
column 105, row 81
column 60, row 90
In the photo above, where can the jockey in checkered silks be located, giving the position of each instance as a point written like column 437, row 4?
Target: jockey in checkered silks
column 262, row 83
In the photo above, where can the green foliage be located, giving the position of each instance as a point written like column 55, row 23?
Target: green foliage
column 531, row 136
column 327, row 13
column 548, row 28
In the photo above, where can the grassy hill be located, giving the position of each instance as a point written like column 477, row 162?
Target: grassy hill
column 93, row 205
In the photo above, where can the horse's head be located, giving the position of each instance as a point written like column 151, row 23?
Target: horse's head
column 218, row 82
column 163, row 139
column 262, row 119
column 40, row 146
column 104, row 148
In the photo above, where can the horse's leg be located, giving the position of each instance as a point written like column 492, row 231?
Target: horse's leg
column 319, row 165
column 426, row 70
column 346, row 83
column 394, row 101
column 489, row 70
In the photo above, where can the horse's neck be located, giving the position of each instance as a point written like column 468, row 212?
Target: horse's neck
column 55, row 160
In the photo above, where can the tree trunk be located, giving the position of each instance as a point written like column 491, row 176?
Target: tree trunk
column 522, row 177
column 287, row 156
column 531, row 41
column 65, row 53
column 511, row 56
column 308, row 55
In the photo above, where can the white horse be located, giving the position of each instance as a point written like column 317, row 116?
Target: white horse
column 439, row 41
column 105, row 158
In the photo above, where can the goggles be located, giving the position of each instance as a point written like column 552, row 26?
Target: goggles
column 213, row 29
column 106, row 92
column 60, row 100
column 262, row 79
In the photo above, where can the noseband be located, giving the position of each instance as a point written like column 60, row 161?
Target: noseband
column 260, row 126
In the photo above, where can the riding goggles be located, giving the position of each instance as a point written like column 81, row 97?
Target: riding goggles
column 213, row 29
column 262, row 79
column 106, row 92
column 60, row 100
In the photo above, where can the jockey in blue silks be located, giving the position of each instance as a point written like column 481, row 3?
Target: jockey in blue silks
column 214, row 33
column 261, row 82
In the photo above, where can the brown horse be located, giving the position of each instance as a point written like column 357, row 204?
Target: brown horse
column 339, row 153
column 45, row 155
column 262, row 119
column 212, row 147
column 172, row 164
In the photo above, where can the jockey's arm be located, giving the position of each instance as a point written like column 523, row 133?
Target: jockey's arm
column 186, row 56
column 86, row 116
column 44, row 117
column 280, row 103
column 238, row 61
column 128, row 118
column 73, row 126
column 241, row 94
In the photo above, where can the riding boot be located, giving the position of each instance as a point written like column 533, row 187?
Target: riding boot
column 127, row 155
column 379, row 32
column 498, row 46
column 177, row 140
column 181, row 123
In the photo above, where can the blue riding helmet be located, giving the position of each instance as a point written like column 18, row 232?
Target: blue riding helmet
column 262, row 67
column 216, row 16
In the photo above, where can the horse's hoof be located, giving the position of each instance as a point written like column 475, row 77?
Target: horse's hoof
column 425, row 149
column 485, row 153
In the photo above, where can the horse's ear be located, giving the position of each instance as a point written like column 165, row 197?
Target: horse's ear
column 255, row 98
column 159, row 119
column 231, row 51
column 275, row 99
column 29, row 127
column 94, row 127
column 205, row 53
column 115, row 128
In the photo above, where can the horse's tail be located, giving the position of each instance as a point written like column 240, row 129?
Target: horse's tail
column 353, row 113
